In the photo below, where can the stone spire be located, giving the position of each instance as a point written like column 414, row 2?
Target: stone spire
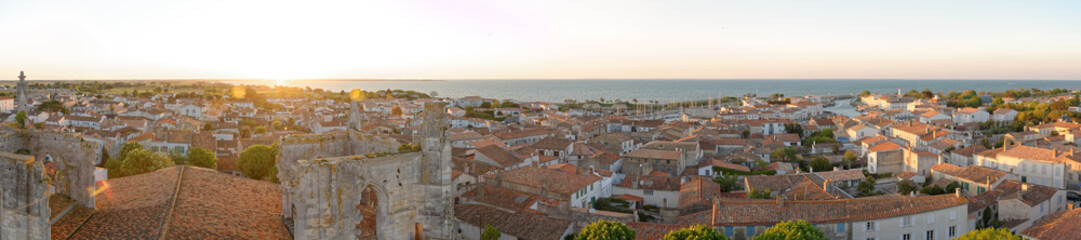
column 20, row 98
column 438, row 210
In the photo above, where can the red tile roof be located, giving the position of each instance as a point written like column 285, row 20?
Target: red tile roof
column 521, row 225
column 205, row 204
column 1061, row 225
column 769, row 212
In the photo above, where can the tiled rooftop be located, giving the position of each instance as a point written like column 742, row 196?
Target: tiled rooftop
column 209, row 205
column 768, row 212
column 1061, row 225
column 521, row 225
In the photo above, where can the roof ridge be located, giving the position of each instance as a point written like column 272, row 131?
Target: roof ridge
column 172, row 203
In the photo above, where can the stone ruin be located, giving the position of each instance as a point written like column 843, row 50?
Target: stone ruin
column 356, row 186
column 31, row 163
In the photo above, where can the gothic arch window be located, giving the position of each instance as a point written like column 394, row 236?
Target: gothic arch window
column 369, row 211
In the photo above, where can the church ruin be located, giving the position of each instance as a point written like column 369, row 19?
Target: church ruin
column 356, row 186
column 35, row 164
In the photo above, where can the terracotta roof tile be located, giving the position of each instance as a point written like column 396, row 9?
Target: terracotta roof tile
column 769, row 212
column 521, row 225
column 1061, row 225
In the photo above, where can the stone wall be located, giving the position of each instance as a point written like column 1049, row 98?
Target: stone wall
column 329, row 190
column 74, row 157
column 24, row 204
column 75, row 160
column 324, row 178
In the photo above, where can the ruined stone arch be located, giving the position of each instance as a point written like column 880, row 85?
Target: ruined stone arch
column 377, row 217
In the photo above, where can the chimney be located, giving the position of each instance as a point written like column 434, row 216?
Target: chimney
column 957, row 192
column 826, row 185
column 717, row 201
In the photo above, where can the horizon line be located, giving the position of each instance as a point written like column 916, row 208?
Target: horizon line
column 536, row 79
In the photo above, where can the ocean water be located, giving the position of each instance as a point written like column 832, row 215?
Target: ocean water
column 666, row 90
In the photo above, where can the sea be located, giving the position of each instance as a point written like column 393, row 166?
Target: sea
column 663, row 90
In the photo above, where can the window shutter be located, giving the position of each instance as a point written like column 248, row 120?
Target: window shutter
column 876, row 226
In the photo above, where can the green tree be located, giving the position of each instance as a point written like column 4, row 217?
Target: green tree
column 783, row 155
column 932, row 190
column 605, row 230
column 989, row 234
column 794, row 128
column 396, row 111
column 821, row 165
column 20, row 119
column 952, row 187
column 759, row 194
column 849, row 159
column 52, row 106
column 245, row 132
column 208, row 127
column 200, row 157
column 792, row 230
column 127, row 148
column 141, row 161
column 867, row 186
column 258, row 162
column 696, row 232
column 260, row 130
column 490, row 233
column 906, row 187
column 728, row 182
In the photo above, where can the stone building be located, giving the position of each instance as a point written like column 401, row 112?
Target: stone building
column 355, row 186
column 35, row 165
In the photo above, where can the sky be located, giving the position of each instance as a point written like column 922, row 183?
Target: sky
column 500, row 39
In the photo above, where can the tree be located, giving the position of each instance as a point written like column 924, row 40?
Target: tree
column 849, row 158
column 696, row 232
column 759, row 194
column 245, row 132
column 867, row 186
column 20, row 119
column 128, row 147
column 865, row 93
column 258, row 162
column 932, row 190
column 141, row 161
column 906, row 187
column 200, row 157
column 989, row 234
column 952, row 187
column 208, row 127
column 745, row 134
column 728, row 182
column 794, row 128
column 783, row 155
column 605, row 230
column 490, row 233
column 821, row 165
column 397, row 111
column 260, row 130
column 52, row 106
column 792, row 230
